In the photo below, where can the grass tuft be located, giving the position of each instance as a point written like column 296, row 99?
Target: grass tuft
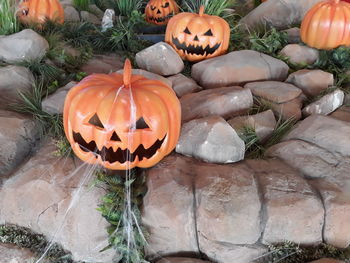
column 8, row 18
column 81, row 5
column 217, row 7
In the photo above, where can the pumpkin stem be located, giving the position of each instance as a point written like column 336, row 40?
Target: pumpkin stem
column 201, row 10
column 127, row 73
column 336, row 1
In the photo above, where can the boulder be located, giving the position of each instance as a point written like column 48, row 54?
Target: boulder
column 181, row 260
column 288, row 110
column 71, row 14
column 343, row 114
column 12, row 254
column 293, row 35
column 299, row 54
column 327, row 260
column 149, row 75
column 103, row 64
column 89, row 17
column 183, row 85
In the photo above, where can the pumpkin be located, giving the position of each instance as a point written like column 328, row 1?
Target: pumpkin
column 198, row 36
column 121, row 121
column 159, row 12
column 327, row 25
column 38, row 11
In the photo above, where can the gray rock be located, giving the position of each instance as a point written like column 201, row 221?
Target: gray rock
column 211, row 139
column 299, row 54
column 96, row 11
column 26, row 45
column 343, row 114
column 12, row 254
column 327, row 260
column 238, row 67
column 181, row 260
column 161, row 59
column 65, row 3
column 183, row 85
column 347, row 99
column 89, row 17
column 103, row 64
column 71, row 14
column 288, row 110
column 149, row 75
column 226, row 102
column 325, row 105
column 108, row 19
column 293, row 35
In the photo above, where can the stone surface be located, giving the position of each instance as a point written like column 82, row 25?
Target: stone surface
column 25, row 45
column 12, row 254
column 293, row 35
column 103, row 64
column 18, row 135
column 327, row 260
column 292, row 209
column 226, row 102
column 181, row 260
column 89, row 17
column 311, row 82
column 149, row 75
column 288, row 110
column 280, row 14
column 238, row 67
column 299, row 54
column 96, row 11
column 183, row 85
column 71, row 14
column 14, row 79
column 161, row 59
column 343, row 114
column 45, row 196
column 263, row 123
column 54, row 103
column 211, row 139
column 347, row 99
column 325, row 105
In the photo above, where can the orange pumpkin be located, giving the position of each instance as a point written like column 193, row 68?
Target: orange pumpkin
column 198, row 36
column 327, row 25
column 159, row 12
column 122, row 120
column 38, row 11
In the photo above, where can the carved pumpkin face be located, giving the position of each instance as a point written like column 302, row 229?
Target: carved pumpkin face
column 159, row 12
column 198, row 36
column 38, row 11
column 122, row 121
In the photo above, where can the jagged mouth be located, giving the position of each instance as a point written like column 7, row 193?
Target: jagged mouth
column 121, row 156
column 195, row 50
column 161, row 19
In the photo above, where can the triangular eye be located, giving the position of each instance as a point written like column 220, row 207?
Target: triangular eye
column 208, row 33
column 95, row 120
column 115, row 137
column 141, row 124
column 187, row 31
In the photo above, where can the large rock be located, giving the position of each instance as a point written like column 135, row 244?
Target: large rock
column 161, row 59
column 12, row 254
column 18, row 135
column 181, row 260
column 226, row 102
column 14, row 79
column 238, row 67
column 26, row 45
column 54, row 197
column 327, row 260
column 293, row 35
column 71, row 14
column 280, row 14
column 149, row 75
column 343, row 114
column 89, row 17
column 211, row 139
column 103, row 64
column 299, row 54
column 183, row 85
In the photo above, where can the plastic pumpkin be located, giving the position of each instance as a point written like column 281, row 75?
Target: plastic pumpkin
column 38, row 11
column 121, row 121
column 327, row 25
column 159, row 12
column 198, row 36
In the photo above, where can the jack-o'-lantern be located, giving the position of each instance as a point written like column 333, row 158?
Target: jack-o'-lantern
column 198, row 36
column 327, row 25
column 121, row 121
column 38, row 11
column 159, row 12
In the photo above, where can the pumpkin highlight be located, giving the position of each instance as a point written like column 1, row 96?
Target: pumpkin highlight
column 198, row 36
column 159, row 12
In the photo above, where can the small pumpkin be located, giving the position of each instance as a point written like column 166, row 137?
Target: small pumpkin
column 38, row 11
column 327, row 25
column 121, row 121
column 198, row 36
column 159, row 12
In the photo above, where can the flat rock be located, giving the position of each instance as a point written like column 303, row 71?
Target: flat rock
column 103, row 64
column 12, row 254
column 181, row 260
column 299, row 54
column 327, row 260
column 311, row 82
column 325, row 105
column 343, row 114
column 183, row 85
column 66, row 206
column 71, row 14
column 238, row 67
column 263, row 123
column 211, row 139
column 89, row 17
column 293, row 35
column 226, row 102
column 161, row 59
column 18, row 135
column 25, row 45
column 288, row 110
column 149, row 75
column 14, row 79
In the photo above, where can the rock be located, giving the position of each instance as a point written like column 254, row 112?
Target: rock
column 45, row 196
column 280, row 14
column 96, row 11
column 226, row 102
column 108, row 19
column 183, row 85
column 89, row 17
column 149, row 75
column 168, row 208
column 347, row 99
column 327, row 260
column 12, row 254
column 18, row 135
column 288, row 110
column 292, row 211
column 293, row 35
column 311, row 82
column 238, row 67
column 23, row 46
column 211, row 139
column 54, row 103
column 343, row 114
column 71, row 14
column 103, row 64
column 14, row 79
column 161, row 59
column 325, row 105
column 181, row 260
column 263, row 123
column 65, row 3
column 299, row 54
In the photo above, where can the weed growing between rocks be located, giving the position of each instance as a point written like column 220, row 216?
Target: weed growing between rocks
column 8, row 19
column 217, row 8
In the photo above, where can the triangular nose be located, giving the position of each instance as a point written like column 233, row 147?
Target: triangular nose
column 158, row 12
column 196, row 38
